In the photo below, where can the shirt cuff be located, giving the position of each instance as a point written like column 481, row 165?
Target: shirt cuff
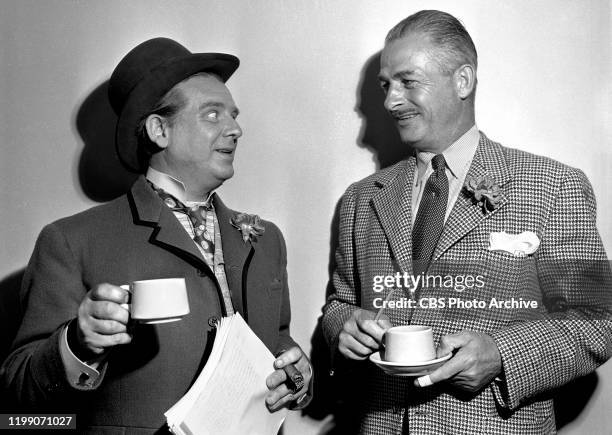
column 80, row 375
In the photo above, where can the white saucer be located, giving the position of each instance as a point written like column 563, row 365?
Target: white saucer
column 403, row 369
column 157, row 321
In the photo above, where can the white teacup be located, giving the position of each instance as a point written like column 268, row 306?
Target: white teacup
column 157, row 300
column 409, row 344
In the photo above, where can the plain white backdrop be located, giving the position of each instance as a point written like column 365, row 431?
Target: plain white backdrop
column 545, row 84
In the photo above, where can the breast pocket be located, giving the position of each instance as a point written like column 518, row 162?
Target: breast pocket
column 265, row 311
column 512, row 283
column 268, row 304
column 510, row 272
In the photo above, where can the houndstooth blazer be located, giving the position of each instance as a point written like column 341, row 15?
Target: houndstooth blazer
column 568, row 335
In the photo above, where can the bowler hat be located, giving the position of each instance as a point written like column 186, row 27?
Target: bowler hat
column 143, row 76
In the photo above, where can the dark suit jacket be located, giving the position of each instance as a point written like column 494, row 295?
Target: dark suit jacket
column 568, row 335
column 131, row 238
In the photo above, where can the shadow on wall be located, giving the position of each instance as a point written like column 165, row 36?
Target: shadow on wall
column 11, row 310
column 378, row 131
column 100, row 173
column 102, row 178
column 11, row 313
column 340, row 395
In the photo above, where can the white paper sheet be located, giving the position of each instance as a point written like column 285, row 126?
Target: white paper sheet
column 228, row 396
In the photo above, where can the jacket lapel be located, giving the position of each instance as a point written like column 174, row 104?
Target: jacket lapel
column 168, row 233
column 393, row 204
column 235, row 253
column 166, row 230
column 466, row 214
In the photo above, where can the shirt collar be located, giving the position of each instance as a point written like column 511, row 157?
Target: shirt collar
column 458, row 156
column 173, row 186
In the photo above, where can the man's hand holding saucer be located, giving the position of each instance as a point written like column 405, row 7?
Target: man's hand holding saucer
column 476, row 361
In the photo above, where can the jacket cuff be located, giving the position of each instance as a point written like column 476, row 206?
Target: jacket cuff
column 47, row 367
column 519, row 379
column 335, row 315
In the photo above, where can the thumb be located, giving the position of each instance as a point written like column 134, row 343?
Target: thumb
column 450, row 343
column 442, row 373
column 384, row 322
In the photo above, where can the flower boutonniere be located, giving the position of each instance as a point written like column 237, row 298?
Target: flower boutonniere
column 484, row 191
column 249, row 225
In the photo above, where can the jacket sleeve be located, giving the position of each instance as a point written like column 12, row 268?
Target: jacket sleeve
column 51, row 292
column 575, row 336
column 285, row 341
column 344, row 297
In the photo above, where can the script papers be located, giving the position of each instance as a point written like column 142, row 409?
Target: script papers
column 228, row 395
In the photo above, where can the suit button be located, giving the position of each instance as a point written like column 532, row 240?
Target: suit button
column 201, row 272
column 213, row 321
column 560, row 306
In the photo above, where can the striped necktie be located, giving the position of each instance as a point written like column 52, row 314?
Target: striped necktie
column 430, row 217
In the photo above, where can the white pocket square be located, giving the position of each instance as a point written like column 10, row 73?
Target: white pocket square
column 519, row 245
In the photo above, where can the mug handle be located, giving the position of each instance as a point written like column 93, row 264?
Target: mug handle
column 127, row 306
column 383, row 347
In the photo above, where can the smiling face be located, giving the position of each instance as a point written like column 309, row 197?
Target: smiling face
column 199, row 143
column 428, row 105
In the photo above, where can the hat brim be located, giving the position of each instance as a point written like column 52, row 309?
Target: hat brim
column 152, row 87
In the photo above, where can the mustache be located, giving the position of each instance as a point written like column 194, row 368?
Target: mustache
column 398, row 114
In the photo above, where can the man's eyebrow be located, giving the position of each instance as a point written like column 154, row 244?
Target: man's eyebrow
column 216, row 105
column 398, row 74
column 210, row 104
column 404, row 73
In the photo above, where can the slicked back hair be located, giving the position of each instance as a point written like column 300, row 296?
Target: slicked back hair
column 455, row 46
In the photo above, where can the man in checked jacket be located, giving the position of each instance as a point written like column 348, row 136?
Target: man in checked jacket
column 520, row 225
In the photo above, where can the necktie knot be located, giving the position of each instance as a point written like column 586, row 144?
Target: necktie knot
column 197, row 214
column 438, row 163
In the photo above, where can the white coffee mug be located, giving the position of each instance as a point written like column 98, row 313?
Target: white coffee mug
column 157, row 300
column 409, row 344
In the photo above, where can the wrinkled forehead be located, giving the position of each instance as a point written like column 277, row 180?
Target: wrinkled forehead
column 412, row 52
column 203, row 88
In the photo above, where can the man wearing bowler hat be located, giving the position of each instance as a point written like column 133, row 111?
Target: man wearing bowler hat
column 74, row 350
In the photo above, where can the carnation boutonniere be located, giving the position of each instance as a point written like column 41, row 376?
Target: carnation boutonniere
column 484, row 191
column 249, row 225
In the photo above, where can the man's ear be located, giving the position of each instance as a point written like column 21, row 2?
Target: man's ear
column 157, row 130
column 465, row 80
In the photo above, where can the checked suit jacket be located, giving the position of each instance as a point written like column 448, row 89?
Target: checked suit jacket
column 132, row 238
column 568, row 335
